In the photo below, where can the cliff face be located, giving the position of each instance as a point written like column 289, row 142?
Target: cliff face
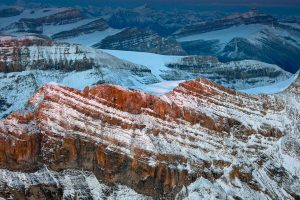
column 97, row 25
column 251, row 17
column 33, row 52
column 35, row 25
column 237, row 74
column 158, row 146
column 134, row 39
column 31, row 61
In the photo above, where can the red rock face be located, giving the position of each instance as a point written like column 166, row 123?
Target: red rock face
column 152, row 144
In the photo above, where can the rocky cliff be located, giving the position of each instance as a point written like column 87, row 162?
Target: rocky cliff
column 236, row 74
column 34, row 24
column 201, row 140
column 134, row 39
column 251, row 35
column 26, row 63
column 97, row 25
column 251, row 17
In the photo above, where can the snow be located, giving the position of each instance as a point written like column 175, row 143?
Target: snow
column 155, row 62
column 74, row 183
column 226, row 35
column 28, row 13
column 193, row 142
column 160, row 88
column 126, row 193
column 53, row 29
column 92, row 38
column 273, row 88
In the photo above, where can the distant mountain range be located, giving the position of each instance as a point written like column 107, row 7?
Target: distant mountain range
column 252, row 35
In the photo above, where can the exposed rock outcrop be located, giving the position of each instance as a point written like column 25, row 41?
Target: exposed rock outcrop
column 237, row 74
column 251, row 17
column 35, row 25
column 157, row 145
column 97, row 25
column 31, row 61
column 134, row 39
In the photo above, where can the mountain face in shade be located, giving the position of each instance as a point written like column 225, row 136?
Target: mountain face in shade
column 201, row 133
column 133, row 39
column 250, row 35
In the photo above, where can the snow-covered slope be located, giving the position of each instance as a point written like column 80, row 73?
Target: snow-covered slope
column 273, row 88
column 35, row 61
column 72, row 65
column 226, row 35
column 199, row 141
column 30, row 14
column 240, row 75
column 232, row 39
column 92, row 38
column 269, row 44
column 74, row 183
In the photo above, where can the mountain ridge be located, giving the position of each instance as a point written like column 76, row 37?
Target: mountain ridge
column 106, row 129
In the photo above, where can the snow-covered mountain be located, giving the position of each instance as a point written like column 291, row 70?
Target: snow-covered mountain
column 239, row 75
column 245, row 36
column 199, row 141
column 29, row 62
column 251, row 17
column 91, row 109
column 133, row 39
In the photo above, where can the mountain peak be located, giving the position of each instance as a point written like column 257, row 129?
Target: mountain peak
column 106, row 128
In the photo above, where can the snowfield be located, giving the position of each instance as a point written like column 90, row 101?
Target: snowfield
column 92, row 38
column 28, row 13
column 226, row 35
column 274, row 88
column 157, row 63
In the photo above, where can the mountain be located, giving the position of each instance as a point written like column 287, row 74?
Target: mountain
column 239, row 75
column 164, row 22
column 91, row 109
column 91, row 27
column 199, row 141
column 236, row 74
column 250, row 35
column 33, row 22
column 134, row 39
column 29, row 62
column 251, row 17
column 10, row 12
